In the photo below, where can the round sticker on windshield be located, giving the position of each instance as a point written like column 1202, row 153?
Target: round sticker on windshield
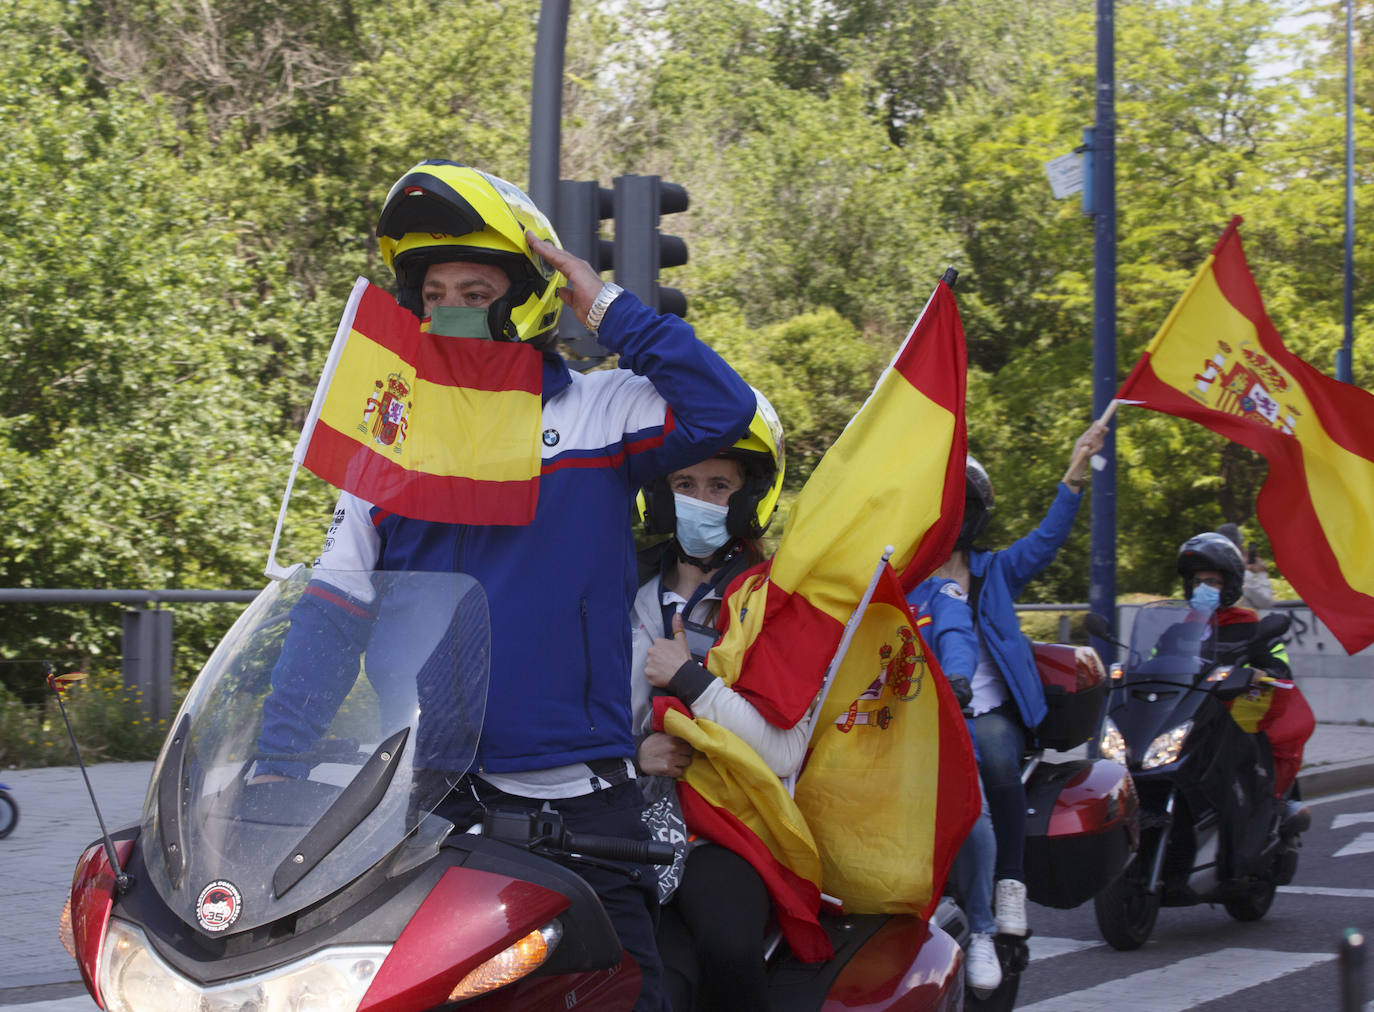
column 219, row 905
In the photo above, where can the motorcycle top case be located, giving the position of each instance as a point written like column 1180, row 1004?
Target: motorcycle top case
column 1075, row 684
column 1082, row 826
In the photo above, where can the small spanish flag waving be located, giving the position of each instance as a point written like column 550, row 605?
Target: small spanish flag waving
column 429, row 427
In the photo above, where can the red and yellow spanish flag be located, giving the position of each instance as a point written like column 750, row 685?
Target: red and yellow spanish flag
column 434, row 428
column 1219, row 361
column 890, row 787
column 895, row 476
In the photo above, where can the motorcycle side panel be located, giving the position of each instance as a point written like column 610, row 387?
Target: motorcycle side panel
column 613, row 990
column 881, row 962
column 1082, row 830
column 93, row 885
column 883, row 975
column 468, row 917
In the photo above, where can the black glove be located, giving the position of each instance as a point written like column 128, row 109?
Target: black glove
column 963, row 692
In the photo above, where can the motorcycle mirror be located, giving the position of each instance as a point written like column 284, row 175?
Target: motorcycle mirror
column 1272, row 626
column 1098, row 626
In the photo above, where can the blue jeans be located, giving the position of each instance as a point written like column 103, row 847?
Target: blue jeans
column 973, row 872
column 1001, row 740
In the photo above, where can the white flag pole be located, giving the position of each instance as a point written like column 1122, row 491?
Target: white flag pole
column 336, row 350
column 850, row 627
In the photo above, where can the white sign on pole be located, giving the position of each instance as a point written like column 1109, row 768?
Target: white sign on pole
column 1065, row 174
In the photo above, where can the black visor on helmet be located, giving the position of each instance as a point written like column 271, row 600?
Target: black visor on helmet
column 427, row 204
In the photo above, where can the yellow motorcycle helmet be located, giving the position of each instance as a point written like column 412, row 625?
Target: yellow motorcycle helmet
column 441, row 211
column 762, row 451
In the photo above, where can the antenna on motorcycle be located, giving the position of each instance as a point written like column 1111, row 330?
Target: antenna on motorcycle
column 58, row 683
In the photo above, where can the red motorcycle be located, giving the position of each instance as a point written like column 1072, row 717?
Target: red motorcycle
column 1082, row 814
column 324, row 878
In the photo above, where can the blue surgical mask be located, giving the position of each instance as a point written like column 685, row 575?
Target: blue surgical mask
column 700, row 525
column 1205, row 598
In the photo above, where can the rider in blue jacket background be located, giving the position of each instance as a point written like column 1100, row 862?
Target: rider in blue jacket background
column 1008, row 702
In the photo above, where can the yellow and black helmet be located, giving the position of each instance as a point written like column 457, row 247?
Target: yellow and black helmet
column 762, row 452
column 441, row 211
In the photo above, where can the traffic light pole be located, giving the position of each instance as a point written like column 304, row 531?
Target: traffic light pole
column 546, row 105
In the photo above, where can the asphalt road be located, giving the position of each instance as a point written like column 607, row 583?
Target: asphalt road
column 1199, row 958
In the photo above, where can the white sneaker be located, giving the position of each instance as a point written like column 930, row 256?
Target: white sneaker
column 981, row 967
column 1009, row 906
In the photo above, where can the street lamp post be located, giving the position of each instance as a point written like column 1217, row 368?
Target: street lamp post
column 1102, row 576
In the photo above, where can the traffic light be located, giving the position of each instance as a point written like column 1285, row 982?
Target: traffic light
column 582, row 206
column 641, row 251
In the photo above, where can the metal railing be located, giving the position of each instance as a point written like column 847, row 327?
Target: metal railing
column 146, row 650
column 146, row 660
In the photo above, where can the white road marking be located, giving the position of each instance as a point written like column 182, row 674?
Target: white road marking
column 1356, row 894
column 1048, row 948
column 1362, row 844
column 1186, row 984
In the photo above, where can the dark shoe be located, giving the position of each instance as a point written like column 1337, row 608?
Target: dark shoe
column 1287, row 864
column 1296, row 819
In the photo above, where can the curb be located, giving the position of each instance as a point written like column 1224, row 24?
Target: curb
column 1333, row 778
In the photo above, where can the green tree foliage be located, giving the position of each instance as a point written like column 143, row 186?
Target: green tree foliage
column 189, row 191
column 141, row 435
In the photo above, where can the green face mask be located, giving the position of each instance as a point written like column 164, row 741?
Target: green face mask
column 459, row 321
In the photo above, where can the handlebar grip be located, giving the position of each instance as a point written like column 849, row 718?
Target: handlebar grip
column 616, row 848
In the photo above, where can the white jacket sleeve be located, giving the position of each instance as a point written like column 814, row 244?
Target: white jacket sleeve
column 1258, row 593
column 782, row 749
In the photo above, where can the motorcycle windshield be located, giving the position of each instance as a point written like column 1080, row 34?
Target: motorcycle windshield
column 1169, row 643
column 324, row 729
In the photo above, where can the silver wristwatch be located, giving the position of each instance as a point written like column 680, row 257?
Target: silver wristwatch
column 600, row 304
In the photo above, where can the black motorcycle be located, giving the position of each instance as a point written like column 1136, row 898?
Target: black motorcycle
column 1211, row 829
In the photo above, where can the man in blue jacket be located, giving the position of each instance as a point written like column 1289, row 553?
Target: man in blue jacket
column 557, row 728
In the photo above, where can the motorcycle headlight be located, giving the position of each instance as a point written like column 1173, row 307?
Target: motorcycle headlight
column 133, row 978
column 1112, row 744
column 1166, row 748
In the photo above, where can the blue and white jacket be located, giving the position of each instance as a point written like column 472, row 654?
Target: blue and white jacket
column 1004, row 575
column 560, row 589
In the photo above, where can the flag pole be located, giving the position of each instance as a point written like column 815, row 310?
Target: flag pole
column 850, row 627
column 336, row 350
column 1106, row 417
column 273, row 570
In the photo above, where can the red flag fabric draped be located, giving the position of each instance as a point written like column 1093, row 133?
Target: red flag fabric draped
column 429, row 427
column 894, row 477
column 1219, row 361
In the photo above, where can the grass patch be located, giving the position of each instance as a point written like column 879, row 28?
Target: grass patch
column 108, row 721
